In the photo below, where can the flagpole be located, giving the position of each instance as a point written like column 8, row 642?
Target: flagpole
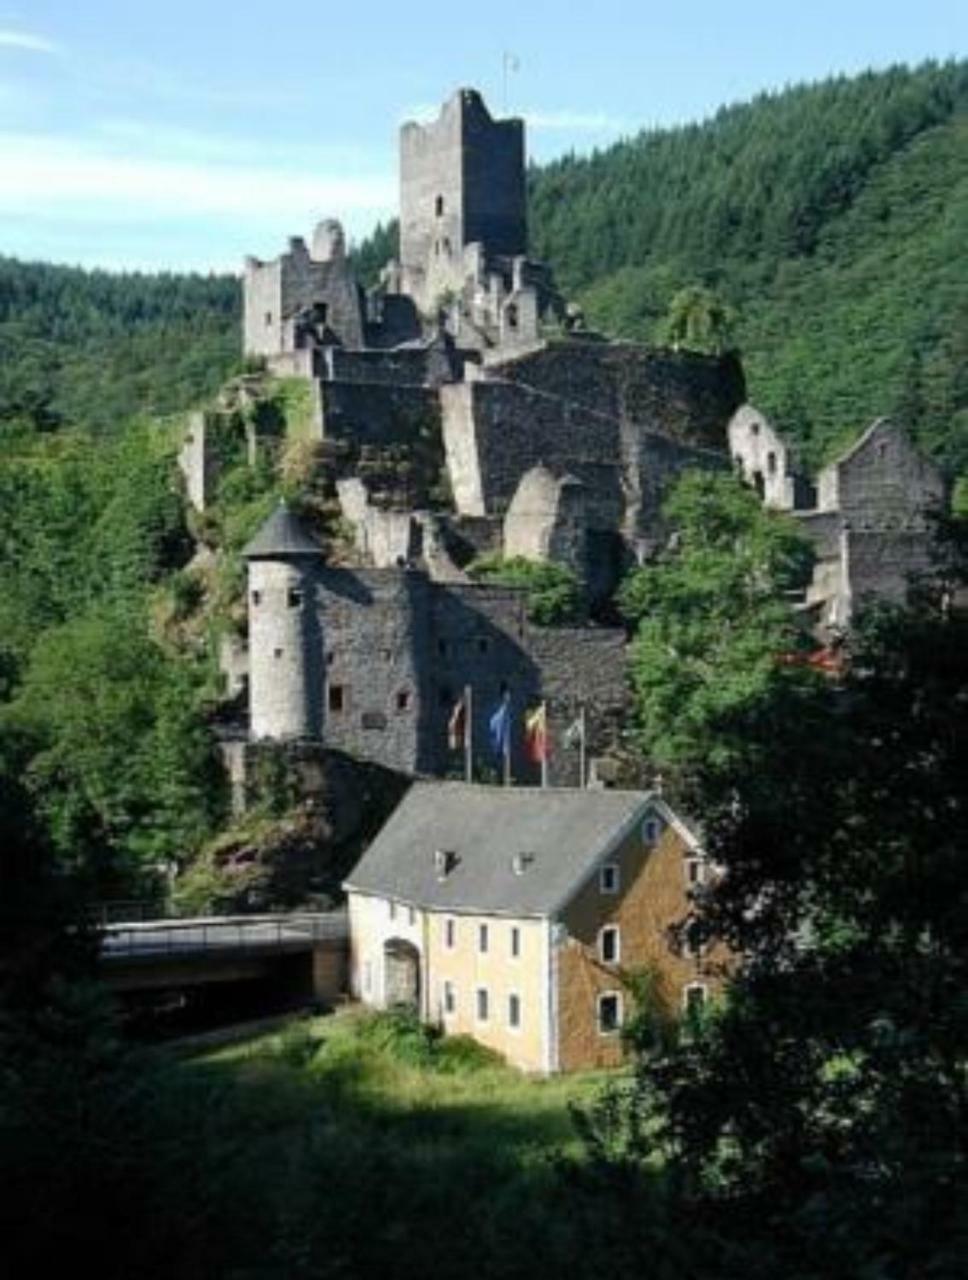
column 507, row 747
column 581, row 757
column 544, row 744
column 468, row 734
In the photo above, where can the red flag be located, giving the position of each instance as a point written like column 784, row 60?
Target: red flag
column 536, row 734
column 457, row 726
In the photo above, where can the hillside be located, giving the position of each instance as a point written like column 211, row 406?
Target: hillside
column 93, row 349
column 833, row 219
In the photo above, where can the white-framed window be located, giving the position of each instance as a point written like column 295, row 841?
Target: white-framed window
column 392, row 909
column 609, row 877
column 609, row 1012
column 481, row 1006
column 695, row 869
column 482, row 938
column 449, row 998
column 514, row 1011
column 695, row 996
column 450, row 933
column 515, row 942
column 609, row 944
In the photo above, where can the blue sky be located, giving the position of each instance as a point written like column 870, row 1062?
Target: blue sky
column 184, row 135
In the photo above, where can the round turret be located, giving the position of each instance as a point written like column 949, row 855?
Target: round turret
column 285, row 631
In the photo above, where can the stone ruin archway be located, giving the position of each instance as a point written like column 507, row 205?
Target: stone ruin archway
column 401, row 974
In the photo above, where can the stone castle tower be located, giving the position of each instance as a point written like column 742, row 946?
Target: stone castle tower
column 285, row 632
column 462, row 183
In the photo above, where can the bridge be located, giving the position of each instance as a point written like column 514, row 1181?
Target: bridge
column 306, row 951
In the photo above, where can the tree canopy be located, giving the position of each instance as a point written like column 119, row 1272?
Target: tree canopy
column 713, row 621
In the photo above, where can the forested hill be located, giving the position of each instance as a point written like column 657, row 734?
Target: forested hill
column 93, row 348
column 832, row 217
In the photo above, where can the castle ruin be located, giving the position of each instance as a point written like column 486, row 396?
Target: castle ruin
column 550, row 443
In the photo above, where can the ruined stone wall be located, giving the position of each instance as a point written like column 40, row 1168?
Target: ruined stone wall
column 377, row 642
column 431, row 204
column 494, row 183
column 494, row 432
column 461, row 180
column 764, row 459
column 882, row 482
column 306, row 283
column 370, row 413
column 687, row 397
column 197, row 462
column 262, row 322
column 276, row 291
column 882, row 562
column 399, row 651
column 410, row 367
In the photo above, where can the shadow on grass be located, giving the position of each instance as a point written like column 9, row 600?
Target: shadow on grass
column 299, row 1159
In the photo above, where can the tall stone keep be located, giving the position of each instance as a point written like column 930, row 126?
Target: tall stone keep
column 285, row 632
column 462, row 182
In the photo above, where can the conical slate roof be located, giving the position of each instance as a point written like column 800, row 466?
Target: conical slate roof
column 282, row 535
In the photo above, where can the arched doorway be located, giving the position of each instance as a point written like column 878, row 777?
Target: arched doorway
column 401, row 974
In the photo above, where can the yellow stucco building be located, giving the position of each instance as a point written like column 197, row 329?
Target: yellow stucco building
column 515, row 915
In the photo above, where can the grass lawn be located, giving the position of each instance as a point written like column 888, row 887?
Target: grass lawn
column 371, row 1071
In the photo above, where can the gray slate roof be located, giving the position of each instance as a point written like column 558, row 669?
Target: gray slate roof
column 281, row 535
column 566, row 830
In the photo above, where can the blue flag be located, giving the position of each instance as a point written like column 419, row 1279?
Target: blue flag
column 499, row 726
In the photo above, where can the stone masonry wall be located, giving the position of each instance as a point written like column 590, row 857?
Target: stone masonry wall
column 396, row 651
column 687, row 397
column 494, row 432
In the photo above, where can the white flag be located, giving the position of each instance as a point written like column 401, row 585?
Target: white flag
column 575, row 733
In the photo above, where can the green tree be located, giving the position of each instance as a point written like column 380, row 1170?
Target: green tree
column 815, row 1126
column 121, row 764
column 699, row 321
column 712, row 619
column 553, row 591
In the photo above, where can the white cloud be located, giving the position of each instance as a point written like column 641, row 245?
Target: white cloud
column 79, row 179
column 27, row 40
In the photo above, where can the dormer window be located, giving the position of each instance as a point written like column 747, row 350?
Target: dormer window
column 445, row 860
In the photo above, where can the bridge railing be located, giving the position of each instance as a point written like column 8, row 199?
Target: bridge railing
column 235, row 935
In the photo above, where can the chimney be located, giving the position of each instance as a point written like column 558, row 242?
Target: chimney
column 520, row 863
